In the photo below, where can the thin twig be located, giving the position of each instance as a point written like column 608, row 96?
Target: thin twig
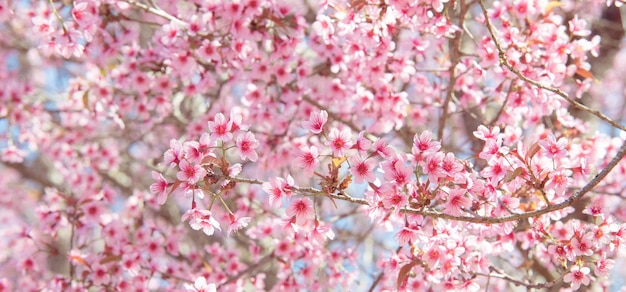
column 60, row 19
column 375, row 283
column 476, row 219
column 157, row 11
column 333, row 115
column 454, row 48
column 500, row 275
column 506, row 100
column 249, row 269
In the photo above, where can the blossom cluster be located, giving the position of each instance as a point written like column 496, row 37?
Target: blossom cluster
column 252, row 145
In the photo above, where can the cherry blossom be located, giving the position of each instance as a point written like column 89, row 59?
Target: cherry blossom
column 339, row 141
column 316, row 122
column 201, row 219
column 300, row 208
column 362, row 170
column 406, row 235
column 457, row 202
column 247, row 145
column 159, row 188
column 238, row 223
column 308, row 159
column 190, row 173
column 577, row 276
column 201, row 285
column 424, row 143
column 12, row 155
column 275, row 190
column 220, row 128
column 554, row 148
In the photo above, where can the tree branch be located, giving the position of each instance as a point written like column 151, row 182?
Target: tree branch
column 476, row 219
column 157, row 11
column 331, row 114
column 454, row 47
column 501, row 275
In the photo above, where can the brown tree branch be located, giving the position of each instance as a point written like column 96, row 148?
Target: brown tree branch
column 454, row 47
column 501, row 275
column 475, row 219
column 331, row 114
column 156, row 11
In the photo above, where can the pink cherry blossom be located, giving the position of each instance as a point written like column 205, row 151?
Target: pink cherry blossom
column 603, row 267
column 277, row 188
column 362, row 144
column 308, row 159
column 382, row 148
column 483, row 133
column 397, row 171
column 238, row 223
column 339, row 141
column 577, row 276
column 172, row 156
column 406, row 235
column 220, row 128
column 322, row 233
column 362, row 170
column 12, row 154
column 247, row 145
column 201, row 219
column 584, row 245
column 316, row 121
column 159, row 188
column 192, row 151
column 432, row 166
column 496, row 170
column 424, row 144
column 100, row 275
column 554, row 148
column 457, row 202
column 201, row 285
column 395, row 200
column 190, row 173
column 493, row 148
column 300, row 208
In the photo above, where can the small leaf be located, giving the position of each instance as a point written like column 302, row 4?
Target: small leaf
column 224, row 166
column 532, row 151
column 513, row 174
column 211, row 160
column 337, row 161
column 543, row 197
column 110, row 258
column 584, row 73
column 528, row 207
column 500, row 86
column 404, row 273
column 207, row 267
column 174, row 187
column 79, row 260
column 346, row 182
column 86, row 99
column 357, row 5
column 551, row 5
